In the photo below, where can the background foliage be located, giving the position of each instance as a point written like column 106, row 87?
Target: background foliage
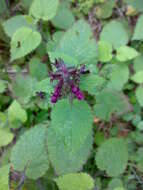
column 93, row 144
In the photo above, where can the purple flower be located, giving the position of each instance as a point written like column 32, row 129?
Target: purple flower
column 68, row 80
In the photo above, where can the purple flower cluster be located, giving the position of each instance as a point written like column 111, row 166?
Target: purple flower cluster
column 68, row 81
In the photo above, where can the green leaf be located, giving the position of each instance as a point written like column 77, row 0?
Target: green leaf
column 23, row 88
column 5, row 137
column 138, row 63
column 78, row 43
column 74, row 181
column 104, row 10
column 114, row 33
column 53, row 43
column 16, row 113
column 4, row 177
column 126, row 53
column 3, row 7
column 139, row 95
column 14, row 23
column 92, row 83
column 44, row 9
column 69, row 137
column 2, row 86
column 137, row 4
column 60, row 20
column 140, row 126
column 138, row 33
column 138, row 77
column 37, row 69
column 105, row 51
column 119, row 76
column 112, row 156
column 108, row 102
column 114, row 183
column 30, row 153
column 44, row 86
column 23, row 42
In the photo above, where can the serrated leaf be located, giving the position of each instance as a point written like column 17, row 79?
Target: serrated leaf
column 44, row 9
column 112, row 156
column 60, row 20
column 138, row 77
column 114, row 33
column 138, row 33
column 4, row 177
column 119, row 76
column 74, row 181
column 23, row 42
column 5, row 137
column 30, row 153
column 92, row 83
column 16, row 113
column 110, row 102
column 139, row 95
column 16, row 22
column 78, row 43
column 105, row 51
column 125, row 53
column 69, row 137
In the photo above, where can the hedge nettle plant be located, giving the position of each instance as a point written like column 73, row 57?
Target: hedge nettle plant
column 49, row 116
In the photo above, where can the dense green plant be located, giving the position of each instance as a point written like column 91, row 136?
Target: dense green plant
column 71, row 95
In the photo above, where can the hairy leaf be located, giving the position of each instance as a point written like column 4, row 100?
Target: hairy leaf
column 74, row 181
column 70, row 136
column 30, row 153
column 112, row 156
column 78, row 43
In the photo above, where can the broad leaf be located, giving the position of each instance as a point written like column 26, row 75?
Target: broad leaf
column 16, row 112
column 138, row 63
column 112, row 156
column 60, row 20
column 110, row 102
column 16, row 22
column 23, row 42
column 92, row 83
column 105, row 51
column 119, row 76
column 138, row 77
column 23, row 88
column 4, row 177
column 5, row 136
column 115, row 33
column 126, row 53
column 138, row 33
column 37, row 69
column 30, row 153
column 70, row 136
column 74, row 181
column 44, row 9
column 79, row 43
column 137, row 4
